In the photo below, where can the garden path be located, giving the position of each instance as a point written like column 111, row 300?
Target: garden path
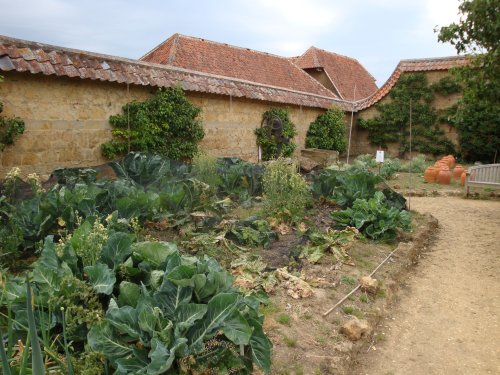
column 447, row 320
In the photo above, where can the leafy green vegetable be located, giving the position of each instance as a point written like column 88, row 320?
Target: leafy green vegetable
column 101, row 278
column 374, row 218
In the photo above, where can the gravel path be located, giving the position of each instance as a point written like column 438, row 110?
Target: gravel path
column 447, row 320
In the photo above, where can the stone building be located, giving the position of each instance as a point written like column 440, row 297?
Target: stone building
column 66, row 96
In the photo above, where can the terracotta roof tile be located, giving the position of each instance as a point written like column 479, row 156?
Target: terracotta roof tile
column 344, row 72
column 230, row 61
column 23, row 56
column 414, row 65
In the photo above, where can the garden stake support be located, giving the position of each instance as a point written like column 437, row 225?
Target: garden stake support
column 350, row 127
column 359, row 285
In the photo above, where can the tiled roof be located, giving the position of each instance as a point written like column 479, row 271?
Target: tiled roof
column 230, row 61
column 344, row 72
column 37, row 58
column 414, row 65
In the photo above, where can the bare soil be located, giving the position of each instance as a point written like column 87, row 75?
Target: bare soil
column 447, row 319
column 306, row 342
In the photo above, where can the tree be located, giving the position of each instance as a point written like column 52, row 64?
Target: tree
column 477, row 118
column 167, row 124
column 328, row 131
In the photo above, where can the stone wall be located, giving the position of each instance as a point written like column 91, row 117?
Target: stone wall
column 360, row 143
column 67, row 121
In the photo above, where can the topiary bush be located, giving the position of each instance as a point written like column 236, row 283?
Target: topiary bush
column 167, row 124
column 328, row 131
column 273, row 141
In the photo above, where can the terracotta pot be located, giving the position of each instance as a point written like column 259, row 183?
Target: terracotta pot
column 446, row 160
column 430, row 174
column 462, row 178
column 452, row 160
column 440, row 165
column 444, row 176
column 457, row 172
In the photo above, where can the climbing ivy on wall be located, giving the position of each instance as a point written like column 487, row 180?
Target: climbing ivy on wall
column 276, row 134
column 10, row 128
column 393, row 120
column 167, row 124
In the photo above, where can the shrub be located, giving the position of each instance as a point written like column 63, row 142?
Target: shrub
column 276, row 142
column 166, row 124
column 328, row 131
column 374, row 217
column 286, row 193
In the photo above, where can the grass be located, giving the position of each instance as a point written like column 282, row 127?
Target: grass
column 348, row 280
column 350, row 310
column 322, row 340
column 290, row 341
column 284, row 319
column 363, row 298
column 307, row 316
column 269, row 309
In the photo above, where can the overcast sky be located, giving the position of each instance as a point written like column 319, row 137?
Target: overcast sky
column 378, row 33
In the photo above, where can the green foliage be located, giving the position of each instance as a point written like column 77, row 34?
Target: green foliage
column 286, row 193
column 418, row 165
column 204, row 168
column 365, row 161
column 239, row 179
column 10, row 128
column 147, row 169
column 276, row 142
column 447, row 86
column 374, row 217
column 328, row 131
column 389, row 168
column 174, row 313
column 166, row 124
column 477, row 33
column 392, row 123
column 346, row 186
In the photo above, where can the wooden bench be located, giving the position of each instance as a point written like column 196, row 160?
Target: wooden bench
column 484, row 176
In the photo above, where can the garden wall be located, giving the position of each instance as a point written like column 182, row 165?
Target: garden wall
column 67, row 121
column 360, row 143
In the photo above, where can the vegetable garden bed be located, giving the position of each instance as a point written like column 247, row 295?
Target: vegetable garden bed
column 150, row 266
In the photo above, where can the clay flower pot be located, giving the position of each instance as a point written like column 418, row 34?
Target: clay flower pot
column 444, row 176
column 430, row 174
column 457, row 172
column 462, row 177
column 452, row 160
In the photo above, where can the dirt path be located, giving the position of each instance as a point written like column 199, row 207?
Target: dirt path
column 447, row 320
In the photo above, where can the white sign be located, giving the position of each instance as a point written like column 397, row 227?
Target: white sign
column 380, row 156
